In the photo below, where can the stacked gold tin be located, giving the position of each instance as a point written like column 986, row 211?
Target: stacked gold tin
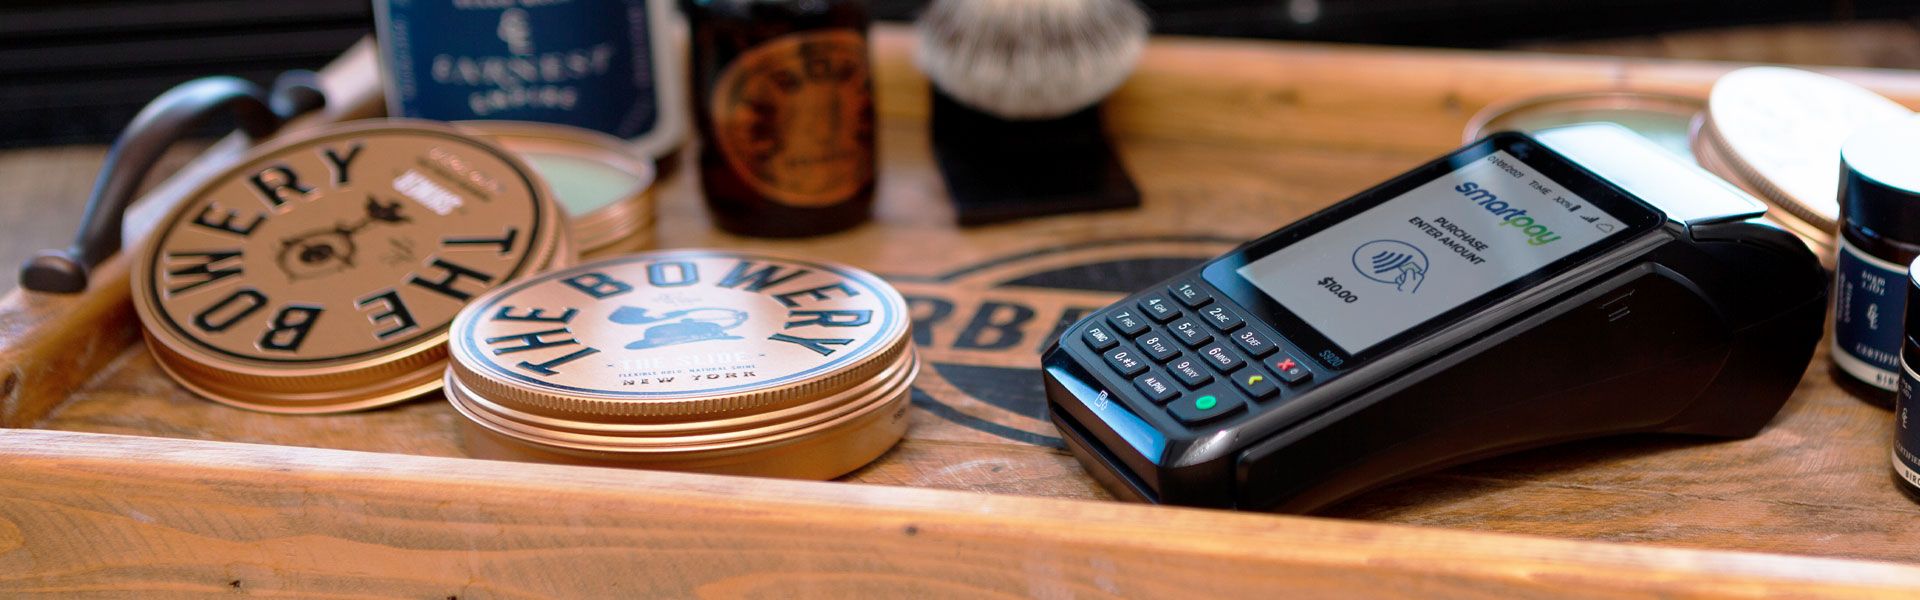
column 320, row 273
column 339, row 269
column 714, row 361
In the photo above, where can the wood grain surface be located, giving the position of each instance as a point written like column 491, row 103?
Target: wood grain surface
column 193, row 519
column 1891, row 43
column 1227, row 140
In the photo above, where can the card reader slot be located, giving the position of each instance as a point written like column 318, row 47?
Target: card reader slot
column 1116, row 477
column 1103, row 419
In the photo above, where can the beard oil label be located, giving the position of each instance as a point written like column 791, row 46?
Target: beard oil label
column 341, row 247
column 586, row 63
column 1869, row 299
column 693, row 331
column 794, row 117
column 1906, row 431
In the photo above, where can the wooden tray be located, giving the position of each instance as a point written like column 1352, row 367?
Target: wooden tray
column 116, row 480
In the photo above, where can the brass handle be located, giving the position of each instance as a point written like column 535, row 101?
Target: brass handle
column 168, row 118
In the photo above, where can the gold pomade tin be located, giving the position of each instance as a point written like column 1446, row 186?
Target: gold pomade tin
column 695, row 360
column 321, row 272
column 605, row 189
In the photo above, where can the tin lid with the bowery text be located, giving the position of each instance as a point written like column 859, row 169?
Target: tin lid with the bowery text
column 321, row 272
column 676, row 357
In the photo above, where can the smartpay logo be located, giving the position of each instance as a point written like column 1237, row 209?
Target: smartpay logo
column 1537, row 234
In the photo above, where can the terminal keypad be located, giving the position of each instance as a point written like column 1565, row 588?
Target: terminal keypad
column 1184, row 350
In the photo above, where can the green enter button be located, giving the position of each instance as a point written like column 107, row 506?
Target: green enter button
column 1210, row 403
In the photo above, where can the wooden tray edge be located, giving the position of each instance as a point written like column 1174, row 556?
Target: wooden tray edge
column 83, row 511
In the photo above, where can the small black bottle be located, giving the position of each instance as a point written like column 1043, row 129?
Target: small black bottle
column 1881, row 186
column 1879, row 239
column 1906, row 426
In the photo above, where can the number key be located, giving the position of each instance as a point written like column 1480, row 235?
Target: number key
column 1158, row 346
column 1189, row 332
column 1159, row 308
column 1188, row 371
column 1252, row 342
column 1222, row 318
column 1128, row 322
column 1126, row 361
column 1221, row 358
column 1190, row 294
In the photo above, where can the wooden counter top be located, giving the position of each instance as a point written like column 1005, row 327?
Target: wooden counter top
column 1228, row 140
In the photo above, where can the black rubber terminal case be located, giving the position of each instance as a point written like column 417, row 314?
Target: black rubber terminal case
column 1700, row 326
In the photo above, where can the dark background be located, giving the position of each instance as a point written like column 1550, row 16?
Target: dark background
column 74, row 71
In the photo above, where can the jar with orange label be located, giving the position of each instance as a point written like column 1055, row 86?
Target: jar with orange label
column 784, row 103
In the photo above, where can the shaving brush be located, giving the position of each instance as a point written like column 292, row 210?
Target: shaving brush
column 1017, row 84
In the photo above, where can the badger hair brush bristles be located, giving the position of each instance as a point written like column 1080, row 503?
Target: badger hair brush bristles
column 1030, row 59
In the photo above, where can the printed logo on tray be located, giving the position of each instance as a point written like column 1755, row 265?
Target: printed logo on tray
column 980, row 329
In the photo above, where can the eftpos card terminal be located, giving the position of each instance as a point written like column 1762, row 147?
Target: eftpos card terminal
column 1518, row 292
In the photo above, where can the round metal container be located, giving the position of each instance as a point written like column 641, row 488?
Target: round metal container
column 321, row 272
column 695, row 360
column 605, row 188
column 1776, row 132
column 1663, row 118
column 1706, row 152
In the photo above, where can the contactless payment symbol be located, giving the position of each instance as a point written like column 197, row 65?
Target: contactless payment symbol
column 1392, row 262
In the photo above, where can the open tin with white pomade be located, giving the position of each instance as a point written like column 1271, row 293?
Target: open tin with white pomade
column 694, row 360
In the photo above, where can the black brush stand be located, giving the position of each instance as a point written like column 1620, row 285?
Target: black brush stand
column 998, row 170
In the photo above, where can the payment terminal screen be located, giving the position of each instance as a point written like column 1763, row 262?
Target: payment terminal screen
column 1420, row 254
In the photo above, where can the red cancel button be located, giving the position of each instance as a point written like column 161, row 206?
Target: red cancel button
column 1289, row 369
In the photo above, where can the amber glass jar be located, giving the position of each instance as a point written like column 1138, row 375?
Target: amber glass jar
column 784, row 103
